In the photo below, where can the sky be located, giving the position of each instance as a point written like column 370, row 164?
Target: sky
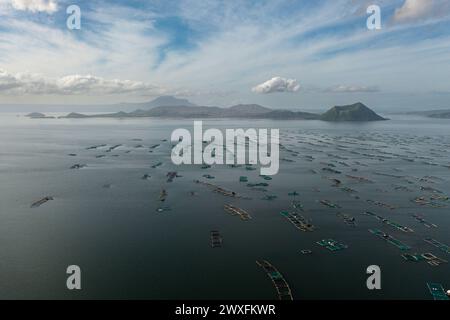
column 296, row 54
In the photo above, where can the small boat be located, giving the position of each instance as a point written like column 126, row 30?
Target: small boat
column 41, row 202
column 78, row 166
column 113, row 147
column 156, row 165
column 261, row 184
column 96, row 147
column 349, row 220
column 172, row 175
column 163, row 195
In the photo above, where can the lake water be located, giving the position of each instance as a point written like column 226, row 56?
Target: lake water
column 104, row 216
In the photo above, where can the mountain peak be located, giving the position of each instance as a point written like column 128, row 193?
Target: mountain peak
column 169, row 101
column 353, row 112
column 354, row 106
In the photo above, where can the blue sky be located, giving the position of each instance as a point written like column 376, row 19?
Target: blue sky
column 279, row 53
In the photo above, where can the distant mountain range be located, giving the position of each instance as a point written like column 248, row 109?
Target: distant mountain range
column 171, row 107
column 38, row 115
column 439, row 114
column 158, row 102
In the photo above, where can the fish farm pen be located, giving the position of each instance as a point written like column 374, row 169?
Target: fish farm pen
column 278, row 281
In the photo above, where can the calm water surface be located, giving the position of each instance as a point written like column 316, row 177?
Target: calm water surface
column 104, row 219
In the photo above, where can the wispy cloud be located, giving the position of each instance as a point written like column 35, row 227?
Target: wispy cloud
column 352, row 89
column 48, row 6
column 413, row 9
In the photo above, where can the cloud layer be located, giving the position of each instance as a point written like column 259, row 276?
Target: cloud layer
column 35, row 84
column 352, row 89
column 277, row 84
column 48, row 6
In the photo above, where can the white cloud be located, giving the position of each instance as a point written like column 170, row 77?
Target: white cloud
column 36, row 84
column 48, row 6
column 277, row 84
column 352, row 89
column 414, row 9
